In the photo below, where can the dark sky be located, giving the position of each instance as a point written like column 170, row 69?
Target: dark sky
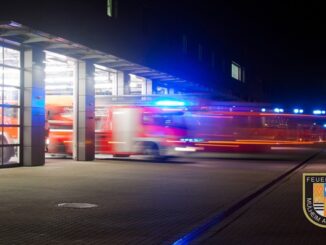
column 283, row 40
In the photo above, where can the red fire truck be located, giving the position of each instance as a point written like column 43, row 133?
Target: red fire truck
column 250, row 131
column 126, row 130
column 139, row 130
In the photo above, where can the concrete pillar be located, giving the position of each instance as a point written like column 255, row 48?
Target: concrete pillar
column 118, row 85
column 149, row 87
column 146, row 88
column 84, row 113
column 34, row 107
column 143, row 87
column 126, row 81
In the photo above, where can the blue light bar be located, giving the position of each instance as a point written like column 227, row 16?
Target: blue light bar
column 318, row 112
column 278, row 110
column 324, row 125
column 263, row 110
column 169, row 103
column 297, row 111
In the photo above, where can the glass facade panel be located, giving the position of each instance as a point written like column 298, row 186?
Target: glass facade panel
column 11, row 57
column 10, row 74
column 10, row 155
column 10, row 95
column 12, row 135
column 1, row 55
column 11, row 116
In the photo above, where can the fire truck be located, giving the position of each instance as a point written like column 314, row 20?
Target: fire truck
column 122, row 130
column 229, row 130
column 139, row 130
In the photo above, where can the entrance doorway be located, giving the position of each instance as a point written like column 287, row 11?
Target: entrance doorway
column 60, row 77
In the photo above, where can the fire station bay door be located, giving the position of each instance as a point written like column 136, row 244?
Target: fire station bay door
column 125, row 125
column 60, row 75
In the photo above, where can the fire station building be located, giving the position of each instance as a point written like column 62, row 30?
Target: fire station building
column 34, row 65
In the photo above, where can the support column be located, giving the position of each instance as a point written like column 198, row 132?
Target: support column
column 126, row 81
column 146, row 88
column 34, row 108
column 118, row 85
column 84, row 113
column 149, row 87
column 143, row 87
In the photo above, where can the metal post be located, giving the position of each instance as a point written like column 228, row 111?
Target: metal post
column 34, row 108
column 84, row 113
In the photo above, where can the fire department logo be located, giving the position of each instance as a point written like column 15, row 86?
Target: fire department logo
column 314, row 198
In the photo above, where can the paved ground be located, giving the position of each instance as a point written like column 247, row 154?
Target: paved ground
column 276, row 218
column 138, row 202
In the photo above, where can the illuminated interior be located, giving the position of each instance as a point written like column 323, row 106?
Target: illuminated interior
column 137, row 84
column 60, row 77
column 60, row 73
column 104, row 79
column 10, row 72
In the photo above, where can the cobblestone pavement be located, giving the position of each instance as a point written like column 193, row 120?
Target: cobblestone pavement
column 138, row 202
column 275, row 218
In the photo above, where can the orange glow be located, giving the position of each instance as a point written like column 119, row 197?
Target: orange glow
column 234, row 146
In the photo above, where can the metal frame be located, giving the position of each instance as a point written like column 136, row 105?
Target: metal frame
column 20, row 107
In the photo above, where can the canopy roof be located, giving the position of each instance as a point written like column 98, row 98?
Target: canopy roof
column 14, row 32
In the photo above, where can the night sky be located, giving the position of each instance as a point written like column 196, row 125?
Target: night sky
column 286, row 44
column 283, row 41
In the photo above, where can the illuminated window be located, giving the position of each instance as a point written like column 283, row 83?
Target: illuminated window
column 109, row 8
column 236, row 71
column 10, row 106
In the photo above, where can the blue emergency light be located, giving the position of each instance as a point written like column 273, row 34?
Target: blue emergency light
column 170, row 103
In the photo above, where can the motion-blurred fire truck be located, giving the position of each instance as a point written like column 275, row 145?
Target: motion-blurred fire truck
column 122, row 130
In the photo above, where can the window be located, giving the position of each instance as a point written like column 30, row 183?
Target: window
column 109, row 8
column 236, row 71
column 10, row 104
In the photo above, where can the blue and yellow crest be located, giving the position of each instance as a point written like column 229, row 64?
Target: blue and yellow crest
column 314, row 198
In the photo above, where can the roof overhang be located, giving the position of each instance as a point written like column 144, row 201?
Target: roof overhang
column 26, row 37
